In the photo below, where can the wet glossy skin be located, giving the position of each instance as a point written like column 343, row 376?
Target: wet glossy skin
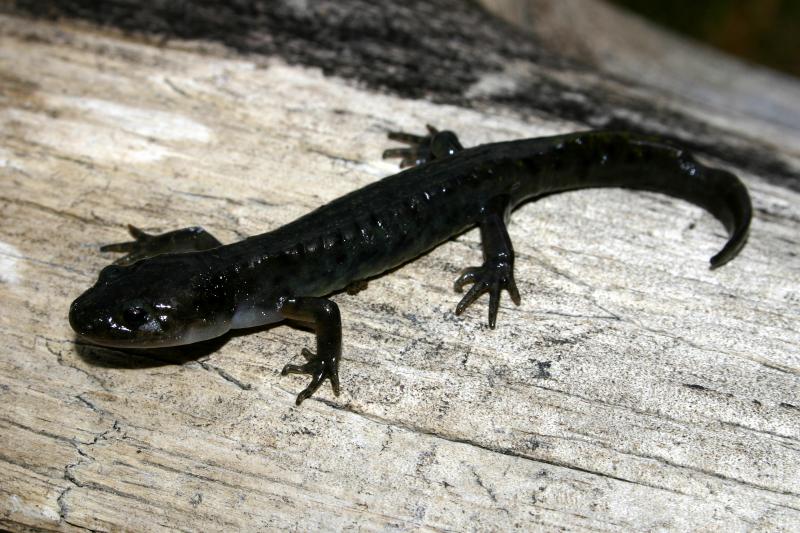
column 184, row 286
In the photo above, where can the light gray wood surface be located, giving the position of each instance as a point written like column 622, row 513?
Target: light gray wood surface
column 633, row 389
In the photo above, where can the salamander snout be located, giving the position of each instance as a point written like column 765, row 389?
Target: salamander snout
column 80, row 319
column 111, row 320
column 104, row 322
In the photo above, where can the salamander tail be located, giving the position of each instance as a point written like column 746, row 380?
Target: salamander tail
column 733, row 207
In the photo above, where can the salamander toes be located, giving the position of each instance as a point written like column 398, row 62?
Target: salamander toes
column 474, row 292
column 409, row 157
column 492, row 277
column 468, row 275
column 418, row 151
column 511, row 287
column 423, row 148
column 319, row 368
column 334, row 383
column 494, row 304
column 137, row 249
column 146, row 245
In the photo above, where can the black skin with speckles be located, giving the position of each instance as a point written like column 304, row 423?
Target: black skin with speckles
column 184, row 286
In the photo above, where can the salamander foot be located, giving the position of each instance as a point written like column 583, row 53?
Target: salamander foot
column 323, row 316
column 319, row 368
column 494, row 276
column 423, row 148
column 146, row 245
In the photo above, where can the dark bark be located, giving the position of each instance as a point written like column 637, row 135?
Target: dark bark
column 435, row 50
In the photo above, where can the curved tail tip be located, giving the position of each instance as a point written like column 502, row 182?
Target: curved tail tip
column 730, row 250
column 718, row 260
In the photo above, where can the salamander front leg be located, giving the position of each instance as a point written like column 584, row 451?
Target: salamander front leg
column 146, row 245
column 423, row 148
column 497, row 271
column 323, row 316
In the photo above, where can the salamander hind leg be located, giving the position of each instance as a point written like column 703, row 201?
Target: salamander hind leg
column 497, row 271
column 146, row 245
column 323, row 316
column 423, row 148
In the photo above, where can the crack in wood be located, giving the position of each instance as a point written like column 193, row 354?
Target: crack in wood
column 225, row 375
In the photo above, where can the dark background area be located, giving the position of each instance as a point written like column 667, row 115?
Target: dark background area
column 760, row 31
column 426, row 49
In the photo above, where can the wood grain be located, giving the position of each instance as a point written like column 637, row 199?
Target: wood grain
column 633, row 389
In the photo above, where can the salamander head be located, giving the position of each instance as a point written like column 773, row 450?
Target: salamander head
column 157, row 302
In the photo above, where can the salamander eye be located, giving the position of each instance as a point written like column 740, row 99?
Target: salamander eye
column 135, row 316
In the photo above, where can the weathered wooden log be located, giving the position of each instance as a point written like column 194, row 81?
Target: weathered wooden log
column 633, row 389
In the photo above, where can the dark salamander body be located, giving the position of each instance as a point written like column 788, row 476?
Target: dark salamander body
column 185, row 286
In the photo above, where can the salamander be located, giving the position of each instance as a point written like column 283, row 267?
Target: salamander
column 184, row 286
